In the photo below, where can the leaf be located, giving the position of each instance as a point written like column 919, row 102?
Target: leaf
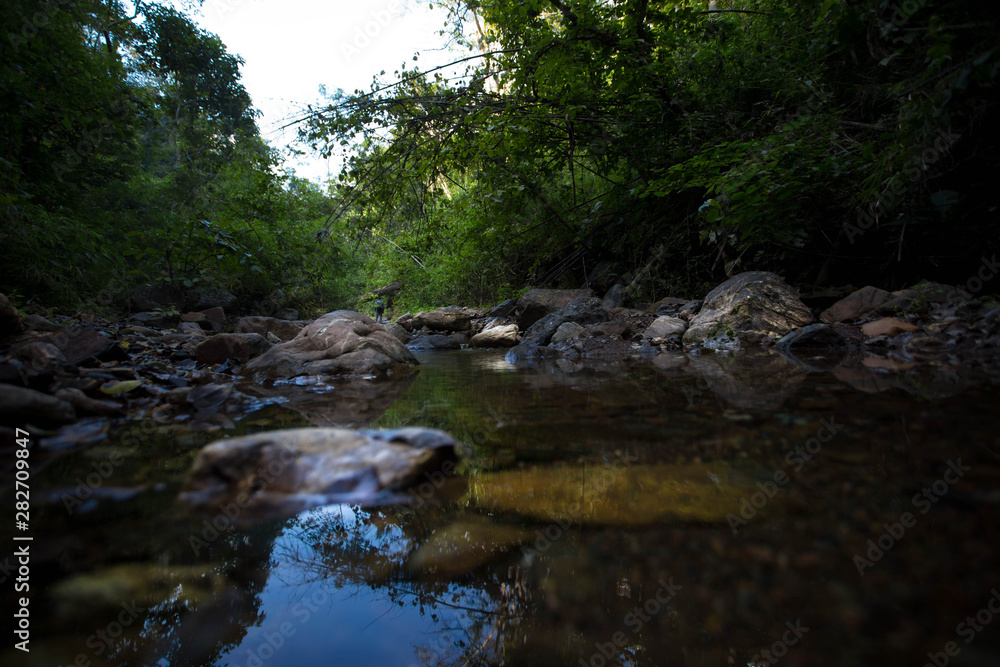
column 119, row 388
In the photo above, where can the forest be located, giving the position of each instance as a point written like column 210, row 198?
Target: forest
column 661, row 145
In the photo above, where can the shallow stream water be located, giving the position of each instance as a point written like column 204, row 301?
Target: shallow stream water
column 692, row 510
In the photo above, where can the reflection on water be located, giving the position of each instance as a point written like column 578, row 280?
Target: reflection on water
column 693, row 510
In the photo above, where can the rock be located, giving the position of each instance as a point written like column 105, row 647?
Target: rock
column 583, row 310
column 10, row 321
column 283, row 329
column 339, row 343
column 286, row 314
column 615, row 298
column 41, row 356
column 271, row 338
column 173, row 587
column 666, row 327
column 504, row 335
column 505, row 309
column 190, row 327
column 398, row 332
column 283, row 472
column 921, row 299
column 39, row 323
column 527, row 355
column 87, row 405
column 235, row 346
column 209, row 397
column 747, row 309
column 464, row 545
column 216, row 318
column 20, row 406
column 887, row 326
column 155, row 319
column 405, row 321
column 855, row 305
column 434, row 342
column 669, row 306
column 606, row 330
column 617, row 494
column 203, row 298
column 813, row 336
column 82, row 343
column 537, row 303
column 566, row 331
column 452, row 318
column 155, row 297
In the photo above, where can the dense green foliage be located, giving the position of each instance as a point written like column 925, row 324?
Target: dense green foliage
column 661, row 144
column 130, row 154
column 670, row 146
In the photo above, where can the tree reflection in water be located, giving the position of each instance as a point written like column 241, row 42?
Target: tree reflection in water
column 347, row 548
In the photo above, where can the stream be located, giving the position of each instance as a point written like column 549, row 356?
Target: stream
column 694, row 510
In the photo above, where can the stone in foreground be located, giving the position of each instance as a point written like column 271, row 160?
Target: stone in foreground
column 339, row 343
column 747, row 309
column 284, row 472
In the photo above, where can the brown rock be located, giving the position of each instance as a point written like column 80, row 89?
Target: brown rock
column 887, row 326
column 856, row 305
column 451, row 318
column 238, row 347
column 666, row 326
column 283, row 329
column 19, row 406
column 216, row 318
column 339, row 343
column 537, row 303
column 41, row 356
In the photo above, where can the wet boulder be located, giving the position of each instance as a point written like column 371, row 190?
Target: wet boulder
column 747, row 309
column 339, row 343
column 401, row 334
column 283, row 472
column 537, row 303
column 504, row 335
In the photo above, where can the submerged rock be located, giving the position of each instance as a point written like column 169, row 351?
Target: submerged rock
column 283, row 472
column 339, row 343
column 747, row 309
column 464, row 545
column 618, row 493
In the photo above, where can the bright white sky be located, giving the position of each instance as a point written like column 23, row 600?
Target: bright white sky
column 291, row 47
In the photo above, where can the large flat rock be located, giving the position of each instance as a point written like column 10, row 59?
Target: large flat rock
column 339, row 343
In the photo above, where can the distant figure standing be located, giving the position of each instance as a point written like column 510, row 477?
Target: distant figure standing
column 379, row 309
